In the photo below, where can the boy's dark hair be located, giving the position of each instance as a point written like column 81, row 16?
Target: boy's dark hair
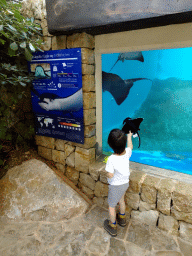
column 117, row 140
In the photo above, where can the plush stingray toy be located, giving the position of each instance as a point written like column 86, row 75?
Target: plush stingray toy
column 133, row 126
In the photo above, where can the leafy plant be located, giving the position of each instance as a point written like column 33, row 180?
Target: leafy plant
column 19, row 38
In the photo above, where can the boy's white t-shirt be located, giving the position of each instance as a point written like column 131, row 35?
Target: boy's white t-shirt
column 119, row 165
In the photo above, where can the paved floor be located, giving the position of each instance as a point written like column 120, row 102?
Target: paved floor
column 85, row 236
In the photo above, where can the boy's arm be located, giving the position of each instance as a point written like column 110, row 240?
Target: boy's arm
column 108, row 174
column 129, row 140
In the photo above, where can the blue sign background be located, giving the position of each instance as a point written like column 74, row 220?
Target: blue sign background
column 57, row 97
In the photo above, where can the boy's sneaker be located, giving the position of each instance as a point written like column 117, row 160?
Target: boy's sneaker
column 121, row 220
column 110, row 227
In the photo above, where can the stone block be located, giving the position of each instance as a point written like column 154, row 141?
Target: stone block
column 101, row 190
column 144, row 206
column 80, row 40
column 185, row 247
column 70, row 160
column 164, row 202
column 185, row 231
column 87, row 56
column 86, row 180
column 45, row 141
column 43, row 23
column 182, row 197
column 146, row 217
column 95, row 169
column 69, row 149
column 149, row 189
column 135, row 181
column 88, row 143
column 86, row 190
column 88, row 83
column 88, row 69
column 59, row 42
column 132, row 200
column 103, row 178
column 89, row 130
column 72, row 174
column 60, row 144
column 58, row 156
column 45, row 152
column 89, row 116
column 60, row 167
column 83, row 158
column 169, row 224
column 98, row 200
column 89, row 100
column 46, row 46
column 185, row 216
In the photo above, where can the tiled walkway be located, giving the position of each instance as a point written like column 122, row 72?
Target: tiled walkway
column 85, row 236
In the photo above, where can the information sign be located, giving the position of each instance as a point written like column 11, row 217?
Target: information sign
column 57, row 97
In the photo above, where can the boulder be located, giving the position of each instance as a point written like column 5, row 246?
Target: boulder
column 32, row 191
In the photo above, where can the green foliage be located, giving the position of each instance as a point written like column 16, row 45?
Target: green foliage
column 19, row 37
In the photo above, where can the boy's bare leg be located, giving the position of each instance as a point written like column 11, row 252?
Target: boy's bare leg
column 112, row 214
column 122, row 205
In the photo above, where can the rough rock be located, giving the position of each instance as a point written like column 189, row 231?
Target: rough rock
column 135, row 181
column 165, row 190
column 72, row 174
column 182, row 197
column 89, row 116
column 60, row 144
column 90, row 130
column 60, row 167
column 58, row 156
column 59, row 42
column 45, row 152
column 147, row 217
column 86, row 180
column 168, row 224
column 83, row 158
column 32, row 191
column 88, row 82
column 89, row 100
column 143, row 206
column 185, row 216
column 69, row 149
column 149, row 189
column 87, row 56
column 70, row 161
column 45, row 141
column 101, row 190
column 185, row 247
column 132, row 200
column 86, row 190
column 95, row 169
column 88, row 69
column 80, row 40
column 185, row 231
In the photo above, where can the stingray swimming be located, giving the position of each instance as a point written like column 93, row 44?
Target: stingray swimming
column 129, row 56
column 118, row 87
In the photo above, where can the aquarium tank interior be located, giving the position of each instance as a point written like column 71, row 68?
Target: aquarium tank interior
column 155, row 85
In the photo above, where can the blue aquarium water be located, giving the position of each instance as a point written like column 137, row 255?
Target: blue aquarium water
column 157, row 86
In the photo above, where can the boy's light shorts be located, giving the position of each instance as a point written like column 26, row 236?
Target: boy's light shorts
column 115, row 193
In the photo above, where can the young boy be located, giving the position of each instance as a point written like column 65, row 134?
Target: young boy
column 117, row 169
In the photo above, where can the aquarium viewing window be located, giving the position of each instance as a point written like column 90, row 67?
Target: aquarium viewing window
column 155, row 85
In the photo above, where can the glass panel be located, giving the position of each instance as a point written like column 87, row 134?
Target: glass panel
column 157, row 86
